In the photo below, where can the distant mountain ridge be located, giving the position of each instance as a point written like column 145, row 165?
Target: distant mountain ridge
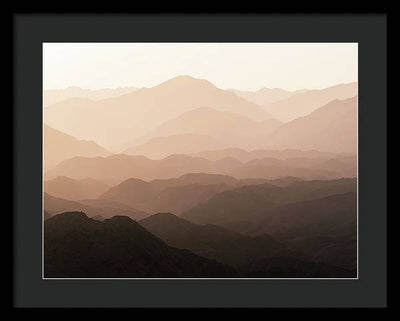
column 118, row 120
column 93, row 207
column 174, row 195
column 116, row 168
column 161, row 147
column 223, row 129
column 332, row 128
column 328, row 128
column 305, row 103
column 246, row 155
column 53, row 96
column 265, row 96
column 72, row 189
column 59, row 146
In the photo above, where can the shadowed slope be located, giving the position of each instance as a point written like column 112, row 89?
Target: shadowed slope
column 68, row 188
column 291, row 267
column 104, row 208
column 258, row 202
column 175, row 195
column 59, row 146
column 76, row 246
column 305, row 103
column 211, row 241
column 332, row 127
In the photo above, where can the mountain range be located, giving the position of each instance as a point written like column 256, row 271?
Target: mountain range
column 203, row 129
column 258, row 203
column 92, row 207
column 212, row 241
column 58, row 146
column 116, row 168
column 135, row 198
column 72, row 189
column 197, row 116
column 122, row 248
column 196, row 181
column 175, row 195
column 265, row 96
column 245, row 155
column 305, row 103
column 332, row 128
column 117, row 120
column 116, row 247
column 53, row 96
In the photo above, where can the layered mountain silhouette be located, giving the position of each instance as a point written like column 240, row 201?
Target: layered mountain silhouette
column 329, row 215
column 212, row 241
column 53, row 96
column 281, row 182
column 202, row 129
column 332, row 127
column 321, row 229
column 179, row 194
column 265, row 96
column 59, row 146
column 318, row 230
column 77, row 246
column 305, row 103
column 117, row 120
column 274, row 168
column 71, row 189
column 206, row 183
column 312, row 168
column 93, row 207
column 116, row 168
column 176, row 195
column 245, row 156
column 258, row 203
column 161, row 147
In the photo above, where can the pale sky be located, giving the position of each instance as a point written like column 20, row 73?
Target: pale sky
column 243, row 66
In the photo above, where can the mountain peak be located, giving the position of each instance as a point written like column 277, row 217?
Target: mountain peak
column 186, row 80
column 168, row 216
column 119, row 219
column 165, row 221
column 73, row 216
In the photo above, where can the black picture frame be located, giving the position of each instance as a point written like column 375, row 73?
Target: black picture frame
column 368, row 30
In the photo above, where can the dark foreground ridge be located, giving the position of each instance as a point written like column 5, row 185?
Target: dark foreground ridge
column 77, row 246
column 80, row 247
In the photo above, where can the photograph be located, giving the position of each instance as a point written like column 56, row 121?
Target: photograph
column 200, row 160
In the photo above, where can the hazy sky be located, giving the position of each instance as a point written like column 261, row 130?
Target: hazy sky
column 245, row 66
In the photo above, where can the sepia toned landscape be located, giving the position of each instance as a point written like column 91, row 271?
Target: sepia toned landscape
column 172, row 175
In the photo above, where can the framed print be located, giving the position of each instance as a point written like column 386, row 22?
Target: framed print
column 226, row 160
